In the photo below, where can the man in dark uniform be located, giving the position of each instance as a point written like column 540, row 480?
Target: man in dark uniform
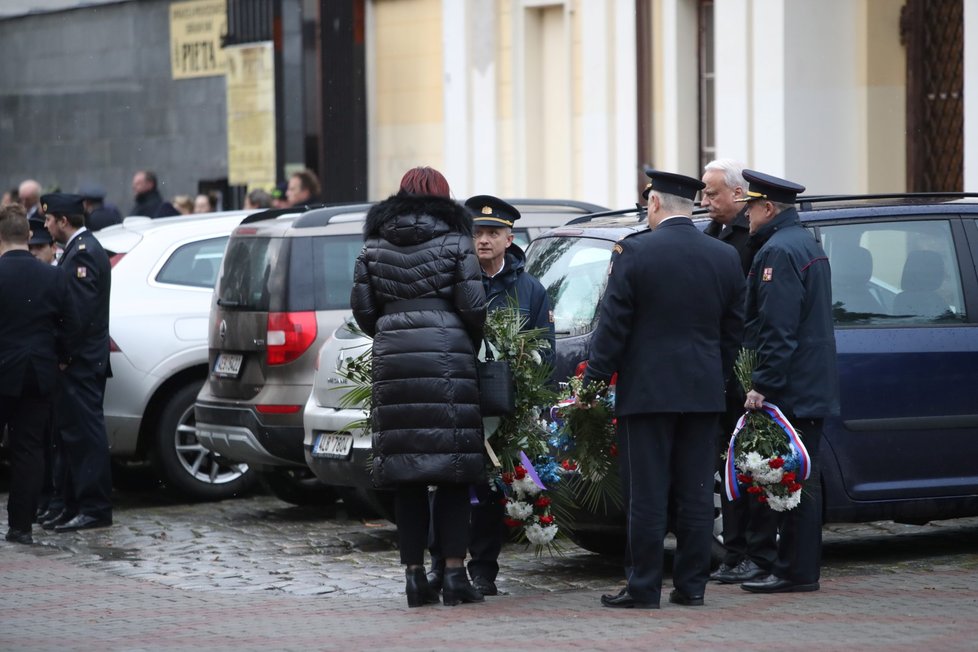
column 41, row 244
column 670, row 324
column 37, row 332
column 506, row 282
column 750, row 529
column 87, row 486
column 789, row 325
column 100, row 214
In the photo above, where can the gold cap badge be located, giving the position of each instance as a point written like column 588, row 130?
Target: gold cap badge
column 487, row 210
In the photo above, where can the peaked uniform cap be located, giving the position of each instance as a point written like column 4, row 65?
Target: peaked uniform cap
column 487, row 210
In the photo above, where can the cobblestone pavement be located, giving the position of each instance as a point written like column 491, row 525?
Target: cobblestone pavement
column 255, row 573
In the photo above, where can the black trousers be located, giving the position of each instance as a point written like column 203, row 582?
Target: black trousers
column 26, row 417
column 449, row 512
column 659, row 455
column 487, row 533
column 83, row 446
column 800, row 548
column 750, row 528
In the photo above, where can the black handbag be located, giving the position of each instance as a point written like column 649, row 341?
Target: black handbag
column 497, row 395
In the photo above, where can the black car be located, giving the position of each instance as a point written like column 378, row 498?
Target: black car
column 905, row 301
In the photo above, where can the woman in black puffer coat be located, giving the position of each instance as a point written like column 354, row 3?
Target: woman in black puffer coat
column 418, row 292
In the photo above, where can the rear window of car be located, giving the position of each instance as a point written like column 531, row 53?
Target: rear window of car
column 574, row 270
column 194, row 264
column 321, row 271
column 248, row 282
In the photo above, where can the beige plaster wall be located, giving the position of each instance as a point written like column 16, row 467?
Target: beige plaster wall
column 886, row 92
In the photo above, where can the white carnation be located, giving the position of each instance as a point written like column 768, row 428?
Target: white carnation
column 519, row 511
column 783, row 503
column 539, row 535
column 525, row 488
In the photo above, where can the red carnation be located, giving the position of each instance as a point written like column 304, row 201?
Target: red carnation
column 743, row 478
column 511, row 522
column 614, row 421
column 542, row 501
column 519, row 472
column 613, row 450
column 754, row 489
column 546, row 520
column 507, row 477
column 762, row 499
column 776, row 463
column 568, row 465
column 504, row 501
column 788, row 478
column 794, row 487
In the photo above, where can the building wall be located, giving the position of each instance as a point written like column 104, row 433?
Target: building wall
column 86, row 95
column 406, row 86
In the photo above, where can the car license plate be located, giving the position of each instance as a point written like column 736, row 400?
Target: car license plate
column 333, row 444
column 228, row 365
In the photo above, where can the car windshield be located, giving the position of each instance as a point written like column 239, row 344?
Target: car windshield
column 574, row 270
column 248, row 265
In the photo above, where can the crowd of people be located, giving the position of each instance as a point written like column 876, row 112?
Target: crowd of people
column 679, row 305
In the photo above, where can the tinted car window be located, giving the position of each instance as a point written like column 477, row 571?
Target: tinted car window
column 894, row 273
column 194, row 264
column 248, row 273
column 574, row 271
column 321, row 271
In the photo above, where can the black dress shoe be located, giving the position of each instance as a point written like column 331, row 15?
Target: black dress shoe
column 19, row 536
column 676, row 597
column 774, row 584
column 724, row 567
column 625, row 601
column 83, row 522
column 745, row 571
column 484, row 585
column 60, row 518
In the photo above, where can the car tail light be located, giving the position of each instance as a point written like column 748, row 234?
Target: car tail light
column 114, row 259
column 278, row 409
column 290, row 334
column 113, row 347
column 582, row 367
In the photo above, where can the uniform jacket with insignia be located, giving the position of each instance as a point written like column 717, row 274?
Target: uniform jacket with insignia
column 789, row 319
column 671, row 321
column 89, row 273
column 515, row 283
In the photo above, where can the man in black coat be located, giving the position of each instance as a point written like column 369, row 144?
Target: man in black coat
column 750, row 529
column 789, row 325
column 87, row 486
column 670, row 324
column 147, row 199
column 37, row 332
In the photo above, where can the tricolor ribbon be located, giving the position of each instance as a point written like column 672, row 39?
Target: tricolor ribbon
column 794, row 440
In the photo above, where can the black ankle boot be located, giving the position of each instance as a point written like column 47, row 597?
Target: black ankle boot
column 436, row 577
column 417, row 589
column 458, row 589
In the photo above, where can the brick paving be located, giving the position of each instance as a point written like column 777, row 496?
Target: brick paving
column 256, row 574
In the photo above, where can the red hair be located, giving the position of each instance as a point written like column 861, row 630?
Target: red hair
column 425, row 181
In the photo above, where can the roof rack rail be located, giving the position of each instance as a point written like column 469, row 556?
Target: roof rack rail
column 325, row 214
column 805, row 201
column 637, row 209
column 583, row 206
column 274, row 213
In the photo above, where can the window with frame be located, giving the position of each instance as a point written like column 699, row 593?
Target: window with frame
column 195, row 264
column 894, row 273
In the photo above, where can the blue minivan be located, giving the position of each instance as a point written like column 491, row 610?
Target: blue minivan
column 905, row 300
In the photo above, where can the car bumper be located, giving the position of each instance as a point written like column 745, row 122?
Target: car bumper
column 126, row 395
column 353, row 470
column 238, row 434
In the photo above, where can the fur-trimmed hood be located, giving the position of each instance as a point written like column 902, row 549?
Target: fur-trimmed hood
column 403, row 211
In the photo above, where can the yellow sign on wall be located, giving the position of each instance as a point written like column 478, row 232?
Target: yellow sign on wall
column 251, row 116
column 196, row 29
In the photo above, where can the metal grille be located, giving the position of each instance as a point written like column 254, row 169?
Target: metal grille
column 933, row 32
column 250, row 21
